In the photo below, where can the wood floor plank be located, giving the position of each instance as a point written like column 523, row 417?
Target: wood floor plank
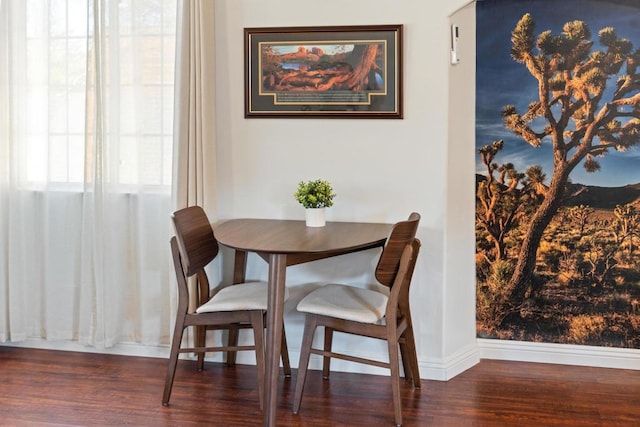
column 57, row 388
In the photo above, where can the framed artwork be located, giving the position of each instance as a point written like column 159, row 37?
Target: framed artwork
column 342, row 72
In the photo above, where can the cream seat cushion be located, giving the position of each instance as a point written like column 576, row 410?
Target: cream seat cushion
column 243, row 296
column 345, row 302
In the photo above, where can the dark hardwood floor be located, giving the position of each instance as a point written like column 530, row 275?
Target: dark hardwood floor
column 56, row 388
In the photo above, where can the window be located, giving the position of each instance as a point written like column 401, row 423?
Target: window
column 137, row 58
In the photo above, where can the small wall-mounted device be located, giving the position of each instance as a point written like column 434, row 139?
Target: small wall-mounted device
column 455, row 33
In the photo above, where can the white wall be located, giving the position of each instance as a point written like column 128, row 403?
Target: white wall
column 381, row 169
column 459, row 250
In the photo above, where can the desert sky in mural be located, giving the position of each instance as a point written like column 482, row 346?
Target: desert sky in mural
column 502, row 81
column 558, row 248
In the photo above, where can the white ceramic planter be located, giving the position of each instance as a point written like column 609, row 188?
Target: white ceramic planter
column 315, row 217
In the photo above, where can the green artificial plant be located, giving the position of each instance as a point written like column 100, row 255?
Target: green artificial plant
column 315, row 194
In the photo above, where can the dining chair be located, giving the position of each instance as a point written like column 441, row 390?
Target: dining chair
column 232, row 307
column 366, row 312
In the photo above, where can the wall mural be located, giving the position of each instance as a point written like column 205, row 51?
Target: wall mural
column 558, row 171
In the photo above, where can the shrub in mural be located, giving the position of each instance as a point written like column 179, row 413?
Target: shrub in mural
column 558, row 251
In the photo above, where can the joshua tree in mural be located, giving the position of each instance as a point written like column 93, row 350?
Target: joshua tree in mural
column 580, row 123
column 625, row 226
column 580, row 214
column 505, row 199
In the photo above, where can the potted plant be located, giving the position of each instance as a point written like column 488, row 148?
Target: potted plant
column 315, row 196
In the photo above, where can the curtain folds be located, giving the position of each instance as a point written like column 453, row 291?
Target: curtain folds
column 86, row 107
column 4, row 164
column 194, row 119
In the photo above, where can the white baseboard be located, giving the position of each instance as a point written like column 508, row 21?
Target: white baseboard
column 439, row 370
column 119, row 349
column 452, row 365
column 565, row 354
column 429, row 370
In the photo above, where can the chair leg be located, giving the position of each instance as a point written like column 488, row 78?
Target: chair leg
column 233, row 341
column 310, row 325
column 410, row 356
column 408, row 372
column 326, row 360
column 200, row 341
column 257, row 322
column 173, row 359
column 394, row 366
column 284, row 354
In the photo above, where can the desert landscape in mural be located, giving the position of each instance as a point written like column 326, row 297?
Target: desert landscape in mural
column 557, row 259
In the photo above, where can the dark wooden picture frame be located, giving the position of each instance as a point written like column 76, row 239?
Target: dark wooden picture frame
column 342, row 72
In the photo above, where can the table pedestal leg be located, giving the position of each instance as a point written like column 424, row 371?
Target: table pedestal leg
column 275, row 312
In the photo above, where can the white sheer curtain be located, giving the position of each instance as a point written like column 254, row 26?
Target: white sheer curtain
column 86, row 109
column 194, row 118
column 194, row 138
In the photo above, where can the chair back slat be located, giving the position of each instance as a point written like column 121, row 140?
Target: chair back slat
column 400, row 236
column 197, row 243
column 183, row 291
column 399, row 295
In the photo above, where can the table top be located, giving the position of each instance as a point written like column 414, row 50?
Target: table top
column 279, row 236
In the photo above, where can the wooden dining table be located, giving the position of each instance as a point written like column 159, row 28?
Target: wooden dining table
column 282, row 243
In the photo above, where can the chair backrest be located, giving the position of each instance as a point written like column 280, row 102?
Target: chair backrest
column 398, row 303
column 198, row 245
column 401, row 235
column 183, row 290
